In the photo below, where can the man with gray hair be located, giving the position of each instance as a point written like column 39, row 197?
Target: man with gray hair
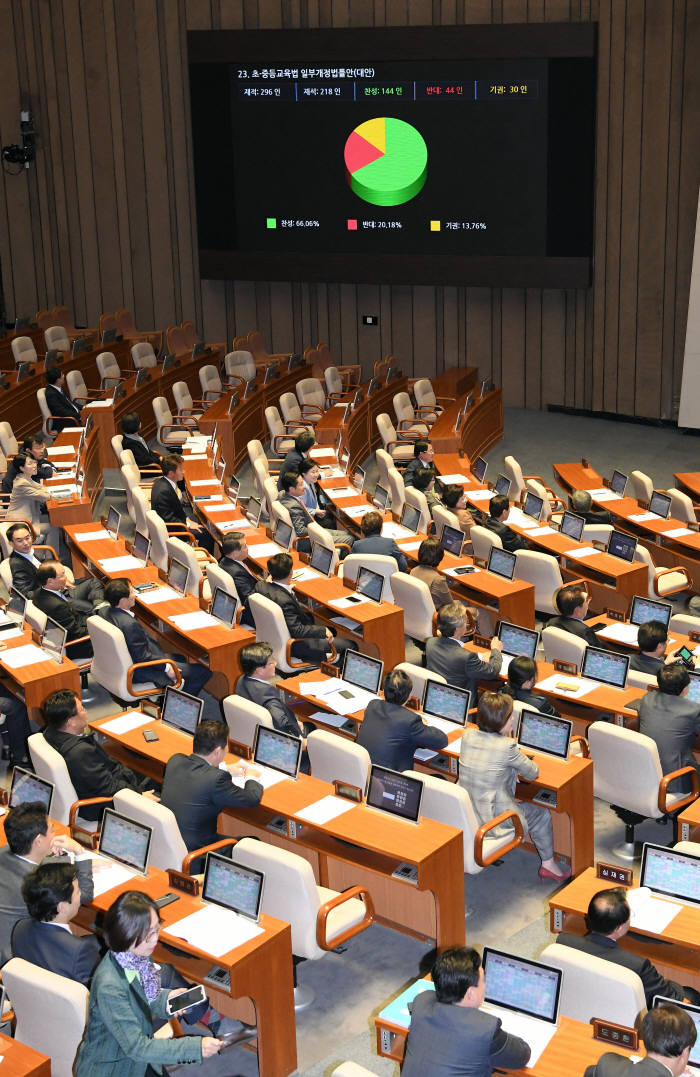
column 581, row 502
column 445, row 654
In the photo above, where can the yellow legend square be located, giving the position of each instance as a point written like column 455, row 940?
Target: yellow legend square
column 435, row 226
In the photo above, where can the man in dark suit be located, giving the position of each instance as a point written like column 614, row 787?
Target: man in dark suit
column 572, row 602
column 608, row 920
column 390, row 732
column 53, row 598
column 668, row 1033
column 671, row 720
column 311, row 641
column 121, row 598
column 86, row 595
column 52, row 895
column 372, row 541
column 234, row 552
column 303, row 443
column 449, row 1034
column 258, row 665
column 196, row 790
column 166, row 500
column 522, row 676
column 131, row 439
column 30, row 838
column 58, row 402
column 92, row 771
column 444, row 654
column 293, row 500
column 423, row 454
column 581, row 502
column 652, row 638
column 499, row 507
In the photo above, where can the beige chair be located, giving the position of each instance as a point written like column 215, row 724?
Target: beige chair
column 6, row 577
column 218, row 577
column 627, row 775
column 270, row 491
column 279, row 512
column 692, row 847
column 270, row 627
column 167, row 850
column 428, row 405
column 243, row 717
column 642, row 486
column 56, row 339
column 593, row 533
column 194, row 558
column 8, row 441
column 36, row 619
column 384, row 462
column 446, row 518
column 108, row 369
column 294, row 421
column 112, row 666
column 592, row 986
column 184, row 403
column 324, row 538
column 312, row 398
column 48, row 420
column 23, row 350
column 682, row 509
column 117, row 443
column 683, row 622
column 413, row 596
column 210, row 382
column 240, row 365
column 483, row 540
column 51, row 1012
column 260, row 477
column 400, row 449
column 635, row 679
column 552, row 504
column 419, row 501
column 49, row 764
column 397, row 489
column 663, row 582
column 419, row 678
column 335, row 388
column 351, row 1069
column 512, row 469
column 280, row 441
column 78, row 390
column 450, row 804
column 562, row 646
column 321, row 919
column 542, row 570
column 378, row 562
column 158, row 534
column 141, row 506
column 143, row 355
column 406, row 419
column 170, row 434
column 336, row 758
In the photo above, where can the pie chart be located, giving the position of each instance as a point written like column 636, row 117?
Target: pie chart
column 386, row 161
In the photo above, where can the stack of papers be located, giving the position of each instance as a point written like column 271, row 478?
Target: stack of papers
column 18, row 657
column 61, row 450
column 458, row 479
column 124, row 723
column 116, row 564
column 214, row 930
column 605, row 494
column 199, row 619
column 227, row 507
column 481, row 495
column 585, row 551
column 264, row 549
column 305, row 573
column 160, row 594
column 678, row 532
column 337, row 493
column 107, row 874
column 357, row 510
column 205, row 482
column 92, row 536
column 650, row 913
column 620, row 632
column 234, row 525
column 642, row 517
column 266, row 777
column 546, row 530
column 321, row 454
column 566, row 685
column 347, row 603
column 396, row 531
column 324, row 810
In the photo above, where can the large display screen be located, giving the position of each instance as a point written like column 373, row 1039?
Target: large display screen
column 415, row 154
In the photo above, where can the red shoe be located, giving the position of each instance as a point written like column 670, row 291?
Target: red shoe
column 545, row 873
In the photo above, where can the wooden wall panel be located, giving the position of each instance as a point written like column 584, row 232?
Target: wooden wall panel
column 106, row 215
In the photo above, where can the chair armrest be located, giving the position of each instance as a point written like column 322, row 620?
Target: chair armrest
column 57, row 418
column 75, row 811
column 45, row 546
column 404, row 425
column 334, row 398
column 666, row 572
column 187, row 413
column 278, row 441
column 235, row 381
column 503, row 849
column 428, row 409
column 78, row 639
column 306, row 408
column 340, row 899
column 301, row 665
column 558, row 505
column 144, row 665
column 666, row 781
column 177, row 531
column 583, row 744
column 537, row 478
column 216, row 393
column 196, row 853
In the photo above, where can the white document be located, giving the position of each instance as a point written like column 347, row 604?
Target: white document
column 620, row 632
column 460, row 480
column 347, row 603
column 205, row 482
column 116, row 564
column 124, row 723
column 196, row 456
column 18, row 657
column 352, row 698
column 100, row 403
column 580, row 686
column 641, row 517
column 480, row 495
column 328, row 719
column 546, row 530
column 650, row 913
column 329, row 472
column 305, row 573
column 188, row 621
column 605, row 495
column 517, row 516
column 585, row 551
column 322, row 454
column 357, row 510
column 442, row 724
column 11, row 633
column 396, row 531
column 410, row 545
column 424, row 754
column 72, row 430
column 267, row 777
column 339, row 493
column 536, row 1034
column 61, row 450
column 107, row 874
column 264, row 549
column 92, row 536
column 456, row 571
column 233, row 525
column 324, row 810
column 678, row 532
column 346, row 622
column 227, row 507
column 160, row 594
column 318, row 688
column 69, row 488
column 214, row 930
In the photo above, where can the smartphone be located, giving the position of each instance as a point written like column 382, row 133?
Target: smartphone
column 685, row 656
column 463, row 569
column 149, row 735
column 186, row 1000
column 166, row 899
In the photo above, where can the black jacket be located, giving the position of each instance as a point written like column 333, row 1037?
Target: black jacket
column 266, row 695
column 59, row 403
column 601, row 946
column 391, row 734
column 92, row 771
column 539, row 702
column 196, row 792
column 299, row 621
column 511, row 541
column 23, row 573
column 577, row 628
column 53, row 948
column 142, row 454
column 291, row 462
column 66, row 614
column 166, row 503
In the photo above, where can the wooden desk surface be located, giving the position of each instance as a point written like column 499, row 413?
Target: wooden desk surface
column 18, row 1060
column 480, row 429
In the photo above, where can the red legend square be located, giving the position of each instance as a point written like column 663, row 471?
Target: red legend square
column 352, row 226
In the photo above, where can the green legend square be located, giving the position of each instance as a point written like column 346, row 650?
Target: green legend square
column 271, row 222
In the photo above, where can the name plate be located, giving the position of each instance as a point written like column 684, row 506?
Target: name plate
column 613, row 873
column 187, row 884
column 607, row 1032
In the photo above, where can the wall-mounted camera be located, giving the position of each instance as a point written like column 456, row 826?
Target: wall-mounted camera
column 24, row 154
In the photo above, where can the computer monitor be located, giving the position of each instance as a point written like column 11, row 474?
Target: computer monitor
column 485, row 386
column 358, row 479
column 381, row 498
column 501, row 562
column 458, row 420
column 234, row 487
column 233, row 402
column 178, row 575
column 27, row 788
column 520, row 984
column 660, row 504
column 618, row 483
column 469, row 401
column 544, row 733
column 16, row 606
column 694, row 688
column 142, row 376
column 533, row 506
column 605, row 666
column 373, row 384
column 181, row 710
column 518, row 641
column 694, row 1015
column 622, row 546
column 452, row 540
column 283, row 534
column 362, row 671
column 357, row 399
column 277, row 750
column 370, row 584
column 53, row 639
column 446, row 701
column 168, row 362
column 113, row 521
column 394, row 793
column 410, row 518
column 233, row 886
column 502, row 485
column 253, row 510
column 321, row 558
column 479, row 468
column 141, row 546
column 271, row 372
column 670, row 872
column 223, row 607
column 648, row 609
column 125, row 840
column 572, row 526
column 250, row 388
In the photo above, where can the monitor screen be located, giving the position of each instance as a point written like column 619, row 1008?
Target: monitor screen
column 125, row 840
column 410, row 518
column 141, row 546
column 362, row 671
column 622, row 545
column 670, row 872
column 544, row 733
column 370, row 584
column 458, row 420
column 517, row 640
column 223, row 606
column 233, row 886
column 16, row 606
column 452, row 540
column 233, row 402
column 446, row 701
column 113, row 521
column 660, row 504
column 283, row 534
column 522, row 985
column 501, row 562
column 479, row 468
column 358, row 479
column 181, row 710
column 53, row 638
column 502, row 485
column 572, row 526
column 280, row 751
column 178, row 575
column 618, row 483
column 694, row 688
column 605, row 666
column 381, row 498
column 533, row 506
column 395, row 793
column 321, row 558
column 27, row 788
column 234, row 486
column 694, row 1015
column 647, row 609
column 253, row 510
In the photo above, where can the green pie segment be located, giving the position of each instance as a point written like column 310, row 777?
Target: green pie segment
column 399, row 173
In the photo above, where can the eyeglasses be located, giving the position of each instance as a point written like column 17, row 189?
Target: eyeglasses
column 152, row 935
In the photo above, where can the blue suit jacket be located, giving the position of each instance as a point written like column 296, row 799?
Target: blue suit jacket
column 385, row 546
column 53, row 948
column 391, row 734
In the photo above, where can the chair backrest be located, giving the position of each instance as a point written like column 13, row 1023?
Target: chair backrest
column 413, row 596
column 397, row 489
column 210, row 382
column 23, row 350
column 387, row 430
column 275, row 428
column 512, row 469
column 62, row 316
column 163, row 414
column 323, row 536
column 278, row 511
column 419, row 501
column 8, row 441
column 256, row 451
column 189, row 335
column 111, row 658
column 424, row 393
column 175, row 339
column 291, row 412
column 243, row 717
column 158, row 534
column 626, row 768
column 448, row 803
column 218, row 577
column 483, row 540
column 591, row 986
column 36, row 618
column 6, row 575
column 44, row 318
column 542, row 570
column 642, row 486
column 50, row 764
column 182, row 396
column 560, row 645
column 117, row 448
column 535, row 486
column 108, row 369
column 384, row 462
column 310, row 391
column 419, row 676
column 269, row 488
column 124, row 321
column 378, row 562
column 56, row 337
column 185, row 553
column 334, row 382
column 141, row 506
column 270, row 627
column 352, row 1069
column 684, row 622
column 444, row 517
column 635, row 679
column 403, row 408
column 76, row 384
column 642, row 554
column 240, row 363
column 335, row 758
column 682, row 507
column 51, row 1012
column 142, row 355
column 596, row 533
column 167, row 849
